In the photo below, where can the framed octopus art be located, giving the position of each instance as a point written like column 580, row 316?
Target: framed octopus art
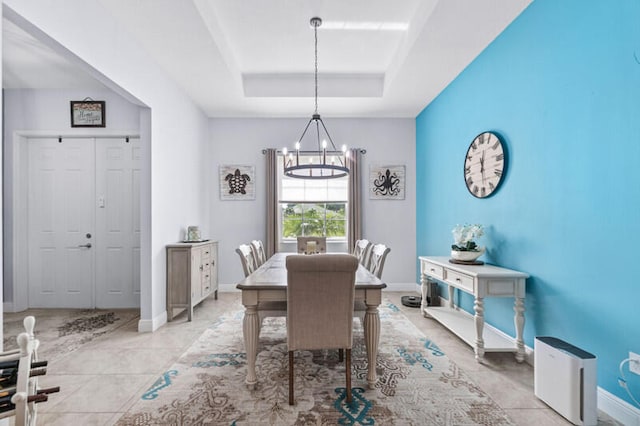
column 386, row 182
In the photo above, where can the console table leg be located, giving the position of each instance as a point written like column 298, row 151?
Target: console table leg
column 518, row 307
column 478, row 307
column 423, row 287
column 371, row 339
column 250, row 331
column 451, row 304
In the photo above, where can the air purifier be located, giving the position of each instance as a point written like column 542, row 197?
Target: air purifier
column 565, row 379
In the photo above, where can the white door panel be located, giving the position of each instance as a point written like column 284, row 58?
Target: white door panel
column 117, row 223
column 60, row 214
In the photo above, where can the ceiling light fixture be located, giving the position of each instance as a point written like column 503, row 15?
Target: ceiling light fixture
column 336, row 167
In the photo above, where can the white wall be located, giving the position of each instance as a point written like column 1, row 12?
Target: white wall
column 48, row 112
column 174, row 135
column 387, row 141
column 1, row 219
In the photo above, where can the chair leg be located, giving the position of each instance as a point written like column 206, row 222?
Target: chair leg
column 348, row 372
column 290, row 377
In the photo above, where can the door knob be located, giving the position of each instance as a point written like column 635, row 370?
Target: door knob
column 88, row 245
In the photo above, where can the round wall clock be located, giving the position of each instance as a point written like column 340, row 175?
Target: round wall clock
column 484, row 165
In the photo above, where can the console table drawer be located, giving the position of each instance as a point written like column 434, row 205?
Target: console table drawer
column 461, row 281
column 433, row 270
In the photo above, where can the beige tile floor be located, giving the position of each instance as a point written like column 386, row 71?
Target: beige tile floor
column 103, row 378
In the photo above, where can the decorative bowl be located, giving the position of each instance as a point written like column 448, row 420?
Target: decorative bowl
column 467, row 256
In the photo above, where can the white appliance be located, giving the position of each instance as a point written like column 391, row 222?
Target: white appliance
column 565, row 379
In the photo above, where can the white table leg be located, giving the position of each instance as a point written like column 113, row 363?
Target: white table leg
column 518, row 307
column 371, row 339
column 251, row 331
column 478, row 307
column 451, row 304
column 423, row 287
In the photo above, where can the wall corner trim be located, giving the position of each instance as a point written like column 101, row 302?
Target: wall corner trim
column 149, row 326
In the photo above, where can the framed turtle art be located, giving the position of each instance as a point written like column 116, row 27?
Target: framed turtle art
column 237, row 182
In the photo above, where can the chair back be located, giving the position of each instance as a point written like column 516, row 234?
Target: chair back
column 246, row 258
column 258, row 253
column 379, row 253
column 320, row 297
column 312, row 245
column 362, row 251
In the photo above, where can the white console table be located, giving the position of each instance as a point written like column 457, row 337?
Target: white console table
column 481, row 281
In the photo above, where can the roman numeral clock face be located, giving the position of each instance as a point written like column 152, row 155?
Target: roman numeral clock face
column 484, row 165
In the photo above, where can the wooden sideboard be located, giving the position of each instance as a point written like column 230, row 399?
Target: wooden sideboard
column 192, row 275
column 480, row 281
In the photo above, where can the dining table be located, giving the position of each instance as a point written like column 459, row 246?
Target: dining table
column 267, row 285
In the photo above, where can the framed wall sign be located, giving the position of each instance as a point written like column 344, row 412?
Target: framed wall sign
column 386, row 182
column 237, row 182
column 88, row 113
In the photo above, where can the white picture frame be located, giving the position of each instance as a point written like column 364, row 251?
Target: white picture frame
column 237, row 182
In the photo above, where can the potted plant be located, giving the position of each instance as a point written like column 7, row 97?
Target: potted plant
column 465, row 247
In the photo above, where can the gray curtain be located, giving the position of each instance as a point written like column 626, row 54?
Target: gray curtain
column 355, row 198
column 271, row 245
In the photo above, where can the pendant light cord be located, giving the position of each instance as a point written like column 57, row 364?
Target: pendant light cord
column 315, row 31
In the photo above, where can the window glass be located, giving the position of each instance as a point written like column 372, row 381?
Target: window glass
column 312, row 207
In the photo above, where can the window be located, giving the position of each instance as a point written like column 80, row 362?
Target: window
column 314, row 207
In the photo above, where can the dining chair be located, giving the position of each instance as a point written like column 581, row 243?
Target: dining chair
column 320, row 299
column 362, row 251
column 312, row 245
column 258, row 253
column 246, row 258
column 378, row 255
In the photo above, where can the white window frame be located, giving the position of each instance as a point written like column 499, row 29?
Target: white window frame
column 282, row 201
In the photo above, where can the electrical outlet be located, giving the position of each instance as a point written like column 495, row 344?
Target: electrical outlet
column 634, row 363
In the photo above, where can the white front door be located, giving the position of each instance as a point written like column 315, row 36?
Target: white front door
column 61, row 223
column 118, row 223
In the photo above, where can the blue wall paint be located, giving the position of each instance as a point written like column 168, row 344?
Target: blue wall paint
column 561, row 85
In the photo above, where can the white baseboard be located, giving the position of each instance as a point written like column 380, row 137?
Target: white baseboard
column 228, row 288
column 149, row 326
column 403, row 287
column 617, row 408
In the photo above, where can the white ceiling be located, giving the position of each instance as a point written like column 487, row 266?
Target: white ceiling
column 255, row 58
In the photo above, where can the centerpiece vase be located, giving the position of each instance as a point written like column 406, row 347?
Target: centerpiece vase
column 467, row 256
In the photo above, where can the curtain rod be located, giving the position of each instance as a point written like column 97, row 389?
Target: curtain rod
column 362, row 151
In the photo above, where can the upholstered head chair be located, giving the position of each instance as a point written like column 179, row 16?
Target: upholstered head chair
column 258, row 253
column 246, row 258
column 320, row 297
column 362, row 251
column 378, row 255
column 312, row 245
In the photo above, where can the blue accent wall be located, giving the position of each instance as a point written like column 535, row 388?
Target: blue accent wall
column 561, row 86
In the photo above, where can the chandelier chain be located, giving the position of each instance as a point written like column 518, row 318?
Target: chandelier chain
column 315, row 31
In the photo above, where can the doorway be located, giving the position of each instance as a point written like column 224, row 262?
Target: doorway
column 83, row 222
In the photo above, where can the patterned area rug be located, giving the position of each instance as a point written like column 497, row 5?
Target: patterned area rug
column 61, row 331
column 417, row 383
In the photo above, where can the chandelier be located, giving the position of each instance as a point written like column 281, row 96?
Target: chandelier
column 335, row 167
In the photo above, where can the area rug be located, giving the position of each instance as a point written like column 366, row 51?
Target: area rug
column 417, row 383
column 61, row 331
